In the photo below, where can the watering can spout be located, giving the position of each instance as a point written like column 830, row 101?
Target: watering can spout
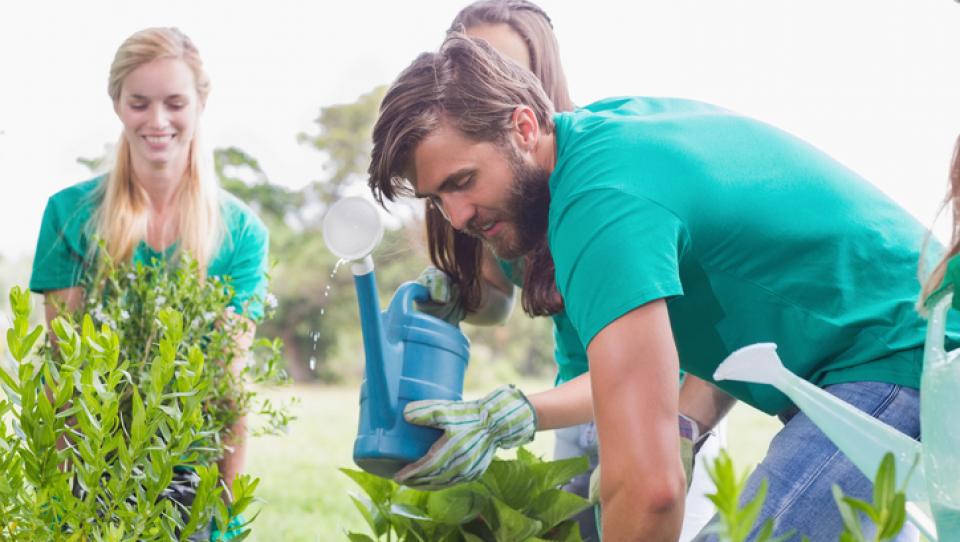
column 352, row 229
column 381, row 394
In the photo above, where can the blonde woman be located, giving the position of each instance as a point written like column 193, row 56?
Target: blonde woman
column 157, row 203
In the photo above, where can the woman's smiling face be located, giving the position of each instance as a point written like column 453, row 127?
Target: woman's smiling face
column 159, row 108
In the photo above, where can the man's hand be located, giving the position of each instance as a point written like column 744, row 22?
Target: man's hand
column 444, row 296
column 473, row 430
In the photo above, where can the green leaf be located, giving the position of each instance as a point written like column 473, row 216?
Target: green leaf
column 27, row 342
column 567, row 531
column 360, row 537
column 372, row 515
column 863, row 507
column 139, row 421
column 456, row 505
column 553, row 474
column 378, row 489
column 896, row 517
column 8, row 380
column 884, row 485
column 750, row 512
column 554, row 506
column 511, row 482
column 849, row 517
column 511, row 524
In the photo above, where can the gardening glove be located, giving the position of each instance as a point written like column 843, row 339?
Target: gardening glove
column 690, row 443
column 444, row 300
column 472, row 433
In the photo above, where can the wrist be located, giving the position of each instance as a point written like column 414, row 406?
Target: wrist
column 516, row 418
column 693, row 431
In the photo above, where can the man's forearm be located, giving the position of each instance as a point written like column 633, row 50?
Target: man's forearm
column 703, row 402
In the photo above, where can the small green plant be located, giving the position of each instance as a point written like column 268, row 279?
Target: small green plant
column 515, row 500
column 887, row 512
column 736, row 521
column 74, row 466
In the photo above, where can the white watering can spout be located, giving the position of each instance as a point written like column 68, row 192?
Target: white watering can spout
column 865, row 440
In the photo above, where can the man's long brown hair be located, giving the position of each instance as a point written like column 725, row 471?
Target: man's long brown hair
column 459, row 255
column 476, row 90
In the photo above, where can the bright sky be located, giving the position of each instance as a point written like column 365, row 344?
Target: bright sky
column 873, row 82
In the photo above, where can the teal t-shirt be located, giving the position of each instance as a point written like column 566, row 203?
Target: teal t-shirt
column 750, row 234
column 63, row 247
column 568, row 353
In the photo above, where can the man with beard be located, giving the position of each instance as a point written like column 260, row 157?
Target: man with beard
column 679, row 233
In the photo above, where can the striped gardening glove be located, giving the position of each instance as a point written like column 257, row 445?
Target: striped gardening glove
column 472, row 433
column 444, row 300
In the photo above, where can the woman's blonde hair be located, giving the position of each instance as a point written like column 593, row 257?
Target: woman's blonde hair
column 122, row 215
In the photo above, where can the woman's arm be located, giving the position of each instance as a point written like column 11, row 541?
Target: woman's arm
column 66, row 299
column 568, row 404
column 705, row 403
column 235, row 451
column 496, row 298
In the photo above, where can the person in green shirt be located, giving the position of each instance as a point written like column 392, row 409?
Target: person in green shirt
column 523, row 32
column 157, row 202
column 679, row 232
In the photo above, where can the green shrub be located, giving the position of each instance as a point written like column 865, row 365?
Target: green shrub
column 515, row 500
column 95, row 426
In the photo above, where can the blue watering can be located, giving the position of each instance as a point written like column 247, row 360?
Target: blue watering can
column 410, row 356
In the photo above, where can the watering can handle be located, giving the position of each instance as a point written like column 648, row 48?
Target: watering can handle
column 409, row 292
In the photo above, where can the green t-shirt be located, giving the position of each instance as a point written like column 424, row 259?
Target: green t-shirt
column 750, row 234
column 63, row 247
column 569, row 354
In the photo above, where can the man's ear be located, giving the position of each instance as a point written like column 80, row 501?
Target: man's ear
column 526, row 128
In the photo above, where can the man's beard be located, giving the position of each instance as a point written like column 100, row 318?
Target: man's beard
column 526, row 209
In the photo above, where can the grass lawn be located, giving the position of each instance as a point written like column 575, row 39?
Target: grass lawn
column 306, row 497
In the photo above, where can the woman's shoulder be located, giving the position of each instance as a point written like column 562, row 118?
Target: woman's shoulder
column 78, row 194
column 242, row 226
column 71, row 207
column 237, row 215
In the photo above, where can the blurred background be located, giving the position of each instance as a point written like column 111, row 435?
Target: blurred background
column 296, row 86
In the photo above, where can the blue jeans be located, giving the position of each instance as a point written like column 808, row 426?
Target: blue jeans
column 802, row 465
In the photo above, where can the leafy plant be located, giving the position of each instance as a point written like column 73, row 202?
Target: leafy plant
column 736, row 521
column 109, row 476
column 887, row 512
column 129, row 298
column 515, row 500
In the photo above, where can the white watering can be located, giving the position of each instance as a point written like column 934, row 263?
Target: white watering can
column 933, row 466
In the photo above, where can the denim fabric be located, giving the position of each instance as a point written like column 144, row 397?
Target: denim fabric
column 802, row 465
